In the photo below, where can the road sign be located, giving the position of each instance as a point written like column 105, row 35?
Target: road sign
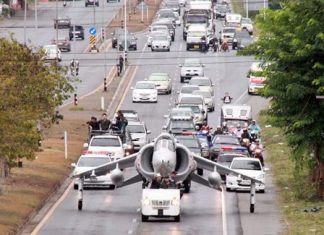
column 92, row 40
column 92, row 31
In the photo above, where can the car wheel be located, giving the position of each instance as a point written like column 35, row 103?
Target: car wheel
column 188, row 48
column 168, row 49
column 200, row 171
column 75, row 186
column 228, row 189
column 152, row 49
column 144, row 218
column 182, row 79
column 80, row 205
column 135, row 48
column 177, row 218
column 172, row 38
column 262, row 191
column 82, row 38
column 86, row 5
column 252, row 208
column 71, row 39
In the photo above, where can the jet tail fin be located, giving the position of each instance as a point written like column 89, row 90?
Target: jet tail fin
column 200, row 180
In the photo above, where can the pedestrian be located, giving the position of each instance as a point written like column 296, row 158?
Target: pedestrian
column 121, row 63
column 104, row 122
column 93, row 124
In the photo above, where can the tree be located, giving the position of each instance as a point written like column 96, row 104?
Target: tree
column 30, row 91
column 291, row 42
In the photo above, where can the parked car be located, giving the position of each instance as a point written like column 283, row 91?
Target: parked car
column 76, row 31
column 91, row 3
column 62, row 22
column 88, row 161
column 248, row 166
column 190, row 68
column 162, row 82
column 62, row 43
column 145, row 91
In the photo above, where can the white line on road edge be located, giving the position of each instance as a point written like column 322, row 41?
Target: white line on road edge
column 241, row 96
column 50, row 212
column 224, row 213
column 95, row 90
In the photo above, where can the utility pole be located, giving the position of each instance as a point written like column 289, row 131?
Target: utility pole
column 247, row 8
column 125, row 30
column 36, row 19
column 25, row 20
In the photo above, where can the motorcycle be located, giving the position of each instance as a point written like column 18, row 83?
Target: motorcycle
column 224, row 47
column 227, row 99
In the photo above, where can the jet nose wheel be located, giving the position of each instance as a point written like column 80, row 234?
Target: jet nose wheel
column 80, row 203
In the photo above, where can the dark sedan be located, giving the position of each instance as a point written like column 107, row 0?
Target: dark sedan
column 180, row 127
column 222, row 140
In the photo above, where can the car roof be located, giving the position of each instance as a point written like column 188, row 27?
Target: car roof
column 192, row 60
column 181, row 109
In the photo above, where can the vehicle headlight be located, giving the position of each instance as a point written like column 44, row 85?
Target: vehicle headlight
column 146, row 201
column 261, row 177
column 175, row 201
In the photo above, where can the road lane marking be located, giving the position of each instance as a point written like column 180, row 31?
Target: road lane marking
column 95, row 90
column 51, row 211
column 241, row 96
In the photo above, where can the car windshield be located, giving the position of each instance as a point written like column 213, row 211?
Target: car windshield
column 229, row 30
column 200, row 82
column 180, row 113
column 136, row 128
column 92, row 161
column 246, row 165
column 226, row 140
column 189, row 143
column 192, row 63
column 160, row 29
column 191, row 100
column 235, row 123
column 196, row 33
column 105, row 142
column 160, row 37
column 188, row 89
column 195, row 19
column 158, row 78
column 226, row 158
column 145, row 86
column 205, row 94
column 180, row 124
column 194, row 108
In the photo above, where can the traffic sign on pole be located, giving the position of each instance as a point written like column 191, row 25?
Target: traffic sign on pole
column 92, row 31
column 92, row 40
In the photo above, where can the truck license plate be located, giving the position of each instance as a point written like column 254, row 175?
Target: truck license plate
column 196, row 46
column 160, row 212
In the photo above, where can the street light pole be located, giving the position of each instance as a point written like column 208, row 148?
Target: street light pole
column 36, row 20
column 125, row 32
column 247, row 8
column 25, row 19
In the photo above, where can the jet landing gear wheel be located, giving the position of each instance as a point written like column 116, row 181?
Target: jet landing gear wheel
column 177, row 218
column 251, row 208
column 80, row 205
column 144, row 218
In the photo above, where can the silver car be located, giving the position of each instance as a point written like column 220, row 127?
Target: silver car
column 191, row 68
column 160, row 42
column 162, row 82
column 204, row 83
column 139, row 134
column 208, row 99
column 158, row 30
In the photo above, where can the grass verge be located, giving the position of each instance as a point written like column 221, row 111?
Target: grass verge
column 295, row 190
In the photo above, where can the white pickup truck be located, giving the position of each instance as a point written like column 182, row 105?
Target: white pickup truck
column 194, row 34
column 161, row 203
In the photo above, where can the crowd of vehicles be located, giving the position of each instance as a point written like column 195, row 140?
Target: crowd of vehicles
column 187, row 145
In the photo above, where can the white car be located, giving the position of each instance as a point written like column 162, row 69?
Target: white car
column 249, row 166
column 255, row 84
column 52, row 52
column 139, row 134
column 187, row 89
column 160, row 42
column 162, row 82
column 160, row 203
column 190, row 68
column 199, row 116
column 196, row 100
column 227, row 34
column 246, row 23
column 145, row 91
column 163, row 31
column 181, row 113
column 204, row 83
column 87, row 162
column 109, row 145
column 208, row 99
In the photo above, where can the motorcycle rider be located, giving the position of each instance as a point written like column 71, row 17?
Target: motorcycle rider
column 258, row 154
column 218, row 131
column 246, row 135
column 74, row 65
column 203, row 43
column 214, row 43
column 224, row 127
column 238, row 132
column 227, row 98
column 205, row 127
column 254, row 127
column 64, row 3
column 224, row 46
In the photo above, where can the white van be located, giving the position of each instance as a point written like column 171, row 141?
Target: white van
column 233, row 20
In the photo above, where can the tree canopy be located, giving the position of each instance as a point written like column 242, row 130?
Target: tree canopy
column 30, row 91
column 291, row 43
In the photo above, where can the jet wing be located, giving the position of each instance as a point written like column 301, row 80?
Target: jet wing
column 123, row 163
column 210, row 166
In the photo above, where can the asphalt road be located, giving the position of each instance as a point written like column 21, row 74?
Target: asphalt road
column 203, row 210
